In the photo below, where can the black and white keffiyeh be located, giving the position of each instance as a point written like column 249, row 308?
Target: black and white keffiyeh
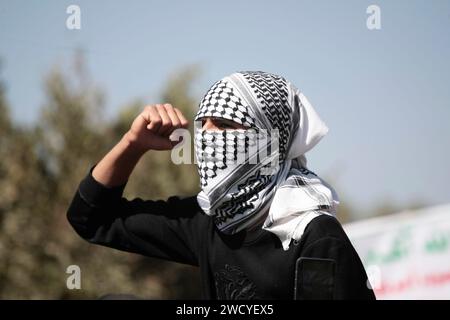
column 245, row 174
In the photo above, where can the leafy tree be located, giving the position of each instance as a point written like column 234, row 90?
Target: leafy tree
column 40, row 170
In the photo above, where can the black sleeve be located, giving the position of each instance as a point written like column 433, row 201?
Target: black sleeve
column 164, row 229
column 329, row 267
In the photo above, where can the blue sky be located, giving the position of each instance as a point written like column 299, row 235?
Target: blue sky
column 385, row 94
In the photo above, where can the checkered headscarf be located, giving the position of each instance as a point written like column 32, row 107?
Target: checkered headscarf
column 240, row 183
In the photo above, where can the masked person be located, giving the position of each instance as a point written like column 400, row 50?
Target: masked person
column 263, row 225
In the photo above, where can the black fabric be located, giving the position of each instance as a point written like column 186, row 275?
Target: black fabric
column 314, row 279
column 241, row 266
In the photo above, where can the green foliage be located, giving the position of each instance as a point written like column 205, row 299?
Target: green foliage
column 40, row 171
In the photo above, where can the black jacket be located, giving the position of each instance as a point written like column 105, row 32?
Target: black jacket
column 322, row 265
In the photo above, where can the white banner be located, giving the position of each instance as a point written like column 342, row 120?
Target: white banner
column 406, row 255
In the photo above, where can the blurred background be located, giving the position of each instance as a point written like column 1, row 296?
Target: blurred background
column 68, row 94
